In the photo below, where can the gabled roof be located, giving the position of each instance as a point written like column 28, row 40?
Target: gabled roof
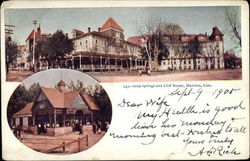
column 111, row 23
column 31, row 35
column 90, row 102
column 78, row 31
column 137, row 39
column 216, row 31
column 55, row 96
column 26, row 110
column 63, row 99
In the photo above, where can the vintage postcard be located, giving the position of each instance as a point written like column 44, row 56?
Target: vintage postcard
column 109, row 80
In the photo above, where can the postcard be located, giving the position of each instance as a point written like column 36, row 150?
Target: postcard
column 102, row 80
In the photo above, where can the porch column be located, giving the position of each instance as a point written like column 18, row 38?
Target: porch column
column 92, row 65
column 100, row 63
column 33, row 120
column 115, row 64
column 92, row 118
column 109, row 63
column 54, row 117
column 130, row 63
column 72, row 62
column 121, row 64
column 136, row 63
column 50, row 119
column 64, row 117
column 80, row 61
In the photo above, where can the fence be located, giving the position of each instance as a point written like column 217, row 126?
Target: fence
column 80, row 144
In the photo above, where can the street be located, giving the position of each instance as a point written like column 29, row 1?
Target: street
column 229, row 74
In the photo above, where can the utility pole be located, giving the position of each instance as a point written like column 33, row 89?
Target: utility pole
column 8, row 32
column 34, row 42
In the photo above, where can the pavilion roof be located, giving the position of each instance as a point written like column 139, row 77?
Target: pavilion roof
column 26, row 110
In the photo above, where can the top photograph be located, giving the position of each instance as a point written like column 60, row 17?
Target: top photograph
column 125, row 44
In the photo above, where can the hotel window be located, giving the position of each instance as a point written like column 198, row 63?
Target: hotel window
column 198, row 61
column 218, row 61
column 80, row 43
column 174, row 62
column 168, row 62
column 184, row 61
column 96, row 41
column 218, row 52
column 86, row 41
column 189, row 61
column 163, row 63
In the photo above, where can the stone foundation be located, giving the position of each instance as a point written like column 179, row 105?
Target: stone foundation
column 59, row 131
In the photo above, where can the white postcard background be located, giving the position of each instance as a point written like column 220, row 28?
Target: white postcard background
column 124, row 117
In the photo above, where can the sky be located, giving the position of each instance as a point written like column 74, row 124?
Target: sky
column 50, row 78
column 193, row 20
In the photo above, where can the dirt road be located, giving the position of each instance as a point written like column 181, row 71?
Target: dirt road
column 230, row 74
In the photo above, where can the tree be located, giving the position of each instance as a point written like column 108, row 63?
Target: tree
column 100, row 96
column 233, row 18
column 153, row 48
column 103, row 102
column 172, row 29
column 11, row 52
column 41, row 51
column 33, row 90
column 20, row 97
column 194, row 48
column 57, row 47
column 181, row 53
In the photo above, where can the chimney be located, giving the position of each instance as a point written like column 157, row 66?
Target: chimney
column 213, row 29
column 99, row 29
column 206, row 33
column 88, row 29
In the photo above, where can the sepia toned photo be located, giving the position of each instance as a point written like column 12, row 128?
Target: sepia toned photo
column 59, row 112
column 155, row 44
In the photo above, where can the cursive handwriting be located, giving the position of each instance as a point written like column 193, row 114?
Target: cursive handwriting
column 195, row 116
column 220, row 150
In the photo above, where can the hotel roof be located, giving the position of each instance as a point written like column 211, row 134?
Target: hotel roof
column 111, row 23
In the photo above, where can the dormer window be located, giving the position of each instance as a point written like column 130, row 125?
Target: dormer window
column 201, row 38
column 117, row 34
column 184, row 38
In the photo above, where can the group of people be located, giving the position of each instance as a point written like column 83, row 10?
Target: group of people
column 77, row 127
column 99, row 127
column 17, row 130
column 42, row 128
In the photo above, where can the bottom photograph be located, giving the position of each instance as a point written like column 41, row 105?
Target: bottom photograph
column 59, row 111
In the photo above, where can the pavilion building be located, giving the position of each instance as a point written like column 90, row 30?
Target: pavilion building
column 58, row 109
